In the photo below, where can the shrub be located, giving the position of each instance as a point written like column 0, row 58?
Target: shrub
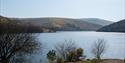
column 94, row 61
column 79, row 53
column 72, row 56
column 51, row 55
column 60, row 60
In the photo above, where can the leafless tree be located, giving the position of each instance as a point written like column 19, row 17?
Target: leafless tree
column 98, row 48
column 63, row 48
column 14, row 44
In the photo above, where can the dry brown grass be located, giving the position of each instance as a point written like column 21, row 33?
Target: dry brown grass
column 104, row 61
column 113, row 61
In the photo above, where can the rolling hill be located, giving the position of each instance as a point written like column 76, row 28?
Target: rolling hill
column 14, row 26
column 49, row 24
column 6, row 24
column 61, row 24
column 97, row 21
column 115, row 27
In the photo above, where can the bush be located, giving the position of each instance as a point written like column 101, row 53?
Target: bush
column 76, row 55
column 51, row 55
column 60, row 60
column 94, row 61
column 71, row 56
column 79, row 53
column 88, row 59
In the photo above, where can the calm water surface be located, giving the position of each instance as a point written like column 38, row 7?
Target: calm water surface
column 115, row 42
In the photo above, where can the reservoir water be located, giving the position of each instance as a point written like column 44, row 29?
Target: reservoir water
column 115, row 42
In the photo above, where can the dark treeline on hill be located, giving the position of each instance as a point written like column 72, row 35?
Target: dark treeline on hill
column 50, row 24
column 115, row 27
column 60, row 24
column 15, row 26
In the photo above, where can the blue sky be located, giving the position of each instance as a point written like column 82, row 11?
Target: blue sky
column 113, row 10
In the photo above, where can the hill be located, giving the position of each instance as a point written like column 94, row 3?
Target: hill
column 60, row 24
column 6, row 24
column 115, row 27
column 97, row 21
column 51, row 24
column 14, row 26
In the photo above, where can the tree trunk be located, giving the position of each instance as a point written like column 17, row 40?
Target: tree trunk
column 98, row 57
column 4, row 60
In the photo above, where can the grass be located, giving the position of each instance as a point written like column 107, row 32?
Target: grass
column 103, row 61
column 80, row 62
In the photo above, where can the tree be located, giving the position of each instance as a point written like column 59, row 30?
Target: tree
column 79, row 53
column 14, row 44
column 71, row 56
column 65, row 47
column 99, row 48
column 51, row 55
column 76, row 55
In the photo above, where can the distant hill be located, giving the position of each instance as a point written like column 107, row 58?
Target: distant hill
column 60, row 24
column 50, row 24
column 6, row 24
column 97, row 21
column 14, row 26
column 4, row 20
column 115, row 27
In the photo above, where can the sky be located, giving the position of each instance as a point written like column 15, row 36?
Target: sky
column 113, row 10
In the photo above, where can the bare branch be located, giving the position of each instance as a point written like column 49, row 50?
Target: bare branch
column 12, row 44
column 98, row 48
column 63, row 48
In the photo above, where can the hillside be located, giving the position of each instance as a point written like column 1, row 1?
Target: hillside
column 115, row 27
column 14, row 26
column 52, row 24
column 97, row 21
column 6, row 24
column 60, row 24
column 3, row 20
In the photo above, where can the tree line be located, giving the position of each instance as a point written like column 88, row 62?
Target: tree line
column 16, row 26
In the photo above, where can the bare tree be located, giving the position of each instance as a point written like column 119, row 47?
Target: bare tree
column 13, row 44
column 63, row 48
column 99, row 48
